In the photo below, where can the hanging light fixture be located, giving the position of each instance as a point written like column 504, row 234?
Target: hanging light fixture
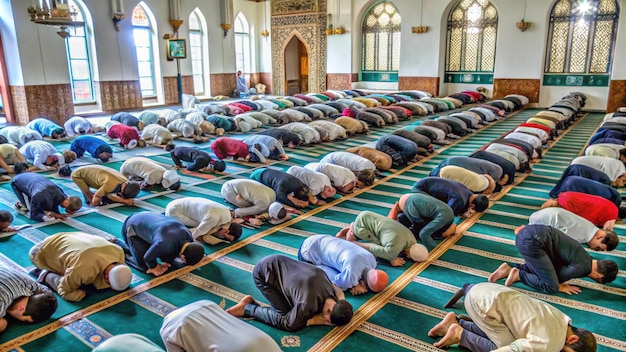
column 338, row 27
column 523, row 25
column 265, row 33
column 55, row 13
column 420, row 29
column 117, row 11
column 226, row 15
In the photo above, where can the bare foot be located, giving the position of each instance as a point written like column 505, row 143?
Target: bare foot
column 452, row 337
column 512, row 278
column 442, row 328
column 502, row 272
column 518, row 229
column 238, row 309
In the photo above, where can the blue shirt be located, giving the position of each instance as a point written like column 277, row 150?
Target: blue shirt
column 162, row 237
column 583, row 171
column 126, row 119
column 43, row 194
column 584, row 185
column 344, row 262
column 454, row 193
column 90, row 144
column 44, row 126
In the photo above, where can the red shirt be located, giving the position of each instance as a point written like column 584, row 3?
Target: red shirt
column 596, row 209
column 124, row 133
column 224, row 147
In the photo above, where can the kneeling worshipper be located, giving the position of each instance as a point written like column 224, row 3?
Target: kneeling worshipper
column 6, row 218
column 111, row 185
column 551, row 258
column 151, row 173
column 23, row 299
column 462, row 201
column 203, row 326
column 77, row 125
column 588, row 186
column 381, row 160
column 582, row 171
column 128, row 120
column 608, row 150
column 198, row 160
column 474, row 182
column 225, row 147
column 44, row 156
column 320, row 185
column 388, row 238
column 46, row 128
column 128, row 136
column 128, row 343
column 211, row 222
column 362, row 168
column 275, row 146
column 19, row 135
column 287, row 138
column 300, row 295
column 576, row 227
column 158, row 136
column 503, row 319
column 249, row 196
column 67, row 261
column 95, row 146
column 347, row 265
column 42, row 198
column 508, row 168
column 289, row 189
column 613, row 168
column 479, row 166
column 426, row 216
column 10, row 157
column 600, row 211
column 155, row 240
column 340, row 177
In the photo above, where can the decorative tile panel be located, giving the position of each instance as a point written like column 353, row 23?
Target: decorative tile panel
column 170, row 88
column 339, row 81
column 120, row 95
column 527, row 87
column 51, row 100
column 427, row 84
column 223, row 83
column 617, row 95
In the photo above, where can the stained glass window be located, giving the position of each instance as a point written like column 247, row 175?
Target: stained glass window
column 380, row 42
column 582, row 36
column 143, row 35
column 78, row 58
column 471, row 37
column 242, row 44
column 197, row 46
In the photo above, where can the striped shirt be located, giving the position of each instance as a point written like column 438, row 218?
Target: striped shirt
column 13, row 285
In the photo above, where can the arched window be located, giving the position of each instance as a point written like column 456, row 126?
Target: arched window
column 581, row 40
column 78, row 57
column 142, row 33
column 242, row 44
column 471, row 42
column 199, row 51
column 380, row 50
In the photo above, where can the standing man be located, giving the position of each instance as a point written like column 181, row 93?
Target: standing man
column 503, row 319
column 299, row 294
column 197, row 160
column 347, row 265
column 112, row 186
column 152, row 236
column 69, row 260
column 427, row 217
column 23, row 298
column 42, row 197
column 211, row 222
column 550, row 259
column 151, row 173
column 95, row 146
column 388, row 238
column 204, row 326
column 576, row 227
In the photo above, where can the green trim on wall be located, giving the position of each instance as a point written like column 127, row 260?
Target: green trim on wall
column 377, row 76
column 469, row 77
column 574, row 80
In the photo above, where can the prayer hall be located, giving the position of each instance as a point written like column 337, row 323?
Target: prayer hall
column 314, row 175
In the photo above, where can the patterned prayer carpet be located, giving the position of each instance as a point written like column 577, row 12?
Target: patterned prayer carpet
column 396, row 319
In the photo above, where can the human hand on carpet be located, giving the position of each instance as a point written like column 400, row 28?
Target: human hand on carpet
column 568, row 289
column 359, row 289
column 159, row 270
column 398, row 262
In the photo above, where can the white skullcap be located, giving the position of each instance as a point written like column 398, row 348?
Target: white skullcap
column 170, row 177
column 418, row 253
column 131, row 144
column 244, row 126
column 275, row 213
column 120, row 277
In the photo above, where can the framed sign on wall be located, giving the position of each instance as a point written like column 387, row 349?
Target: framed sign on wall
column 176, row 48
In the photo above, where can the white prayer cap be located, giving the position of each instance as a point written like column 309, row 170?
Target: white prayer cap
column 131, row 144
column 278, row 213
column 170, row 177
column 120, row 277
column 418, row 253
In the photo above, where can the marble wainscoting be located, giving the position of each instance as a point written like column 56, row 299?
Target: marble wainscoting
column 119, row 95
column 526, row 87
column 339, row 81
column 51, row 100
column 426, row 84
column 223, row 83
column 170, row 88
column 617, row 95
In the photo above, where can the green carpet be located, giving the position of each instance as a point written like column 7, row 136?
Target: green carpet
column 400, row 323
